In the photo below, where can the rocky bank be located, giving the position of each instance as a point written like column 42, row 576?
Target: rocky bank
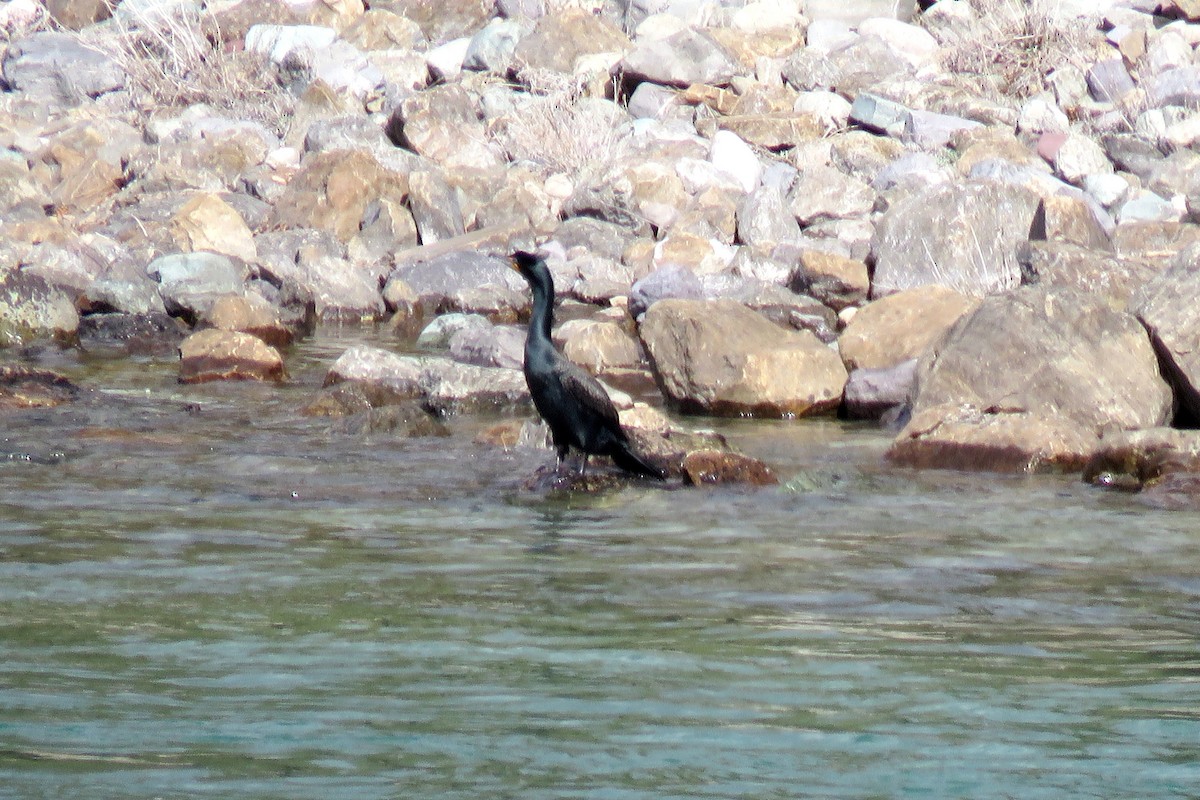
column 975, row 220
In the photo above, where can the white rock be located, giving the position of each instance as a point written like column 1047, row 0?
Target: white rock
column 1168, row 50
column 915, row 45
column 446, row 61
column 732, row 155
column 1107, row 190
column 830, row 107
column 767, row 15
column 1042, row 115
column 277, row 42
column 698, row 176
column 1185, row 132
column 1145, row 206
column 659, row 26
column 1151, row 124
column 1078, row 157
column 826, row 35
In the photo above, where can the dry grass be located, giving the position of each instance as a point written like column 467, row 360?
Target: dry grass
column 1012, row 45
column 557, row 127
column 175, row 58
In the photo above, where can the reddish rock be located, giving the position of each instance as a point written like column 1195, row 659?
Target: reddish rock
column 216, row 355
column 708, row 467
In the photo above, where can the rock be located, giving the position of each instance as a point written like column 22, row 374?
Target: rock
column 1174, row 87
column 23, row 387
column 1169, row 307
column 442, row 20
column 492, row 47
column 837, row 281
column 466, row 281
column 776, row 131
column 720, row 357
column 665, row 283
column 60, row 68
column 1136, row 458
column 445, row 62
column 681, row 59
column 1146, row 206
column 214, row 355
column 75, row 15
column 249, row 313
column 901, row 326
column 206, row 222
column 30, row 309
column 731, row 155
column 348, row 403
column 561, row 38
column 333, row 191
column 489, row 346
column 1071, row 266
column 434, row 207
column 871, row 393
column 86, row 186
column 764, row 219
column 277, row 42
column 964, row 236
column 1109, row 81
column 825, row 193
column 445, row 124
column 992, row 439
column 383, row 376
column 190, row 282
column 1048, row 352
column 599, row 347
column 147, row 334
column 854, row 12
column 442, row 330
column 314, row 263
column 708, row 467
column 1077, row 157
column 378, row 29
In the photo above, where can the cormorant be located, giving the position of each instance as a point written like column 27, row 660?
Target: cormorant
column 572, row 402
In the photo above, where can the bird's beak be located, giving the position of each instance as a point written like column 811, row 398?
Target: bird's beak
column 512, row 264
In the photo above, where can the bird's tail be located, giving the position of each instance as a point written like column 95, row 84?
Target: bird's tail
column 624, row 457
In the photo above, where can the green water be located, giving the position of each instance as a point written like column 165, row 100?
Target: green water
column 204, row 594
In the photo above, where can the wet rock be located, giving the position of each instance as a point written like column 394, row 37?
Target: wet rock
column 901, row 326
column 993, row 439
column 348, row 403
column 23, row 387
column 216, row 355
column 438, row 333
column 1134, row 459
column 466, row 281
column 1048, row 352
column 442, row 385
column 709, row 467
column 720, row 357
column 837, row 281
column 153, row 333
column 31, row 309
column 681, row 59
column 59, row 67
column 965, row 236
column 1169, row 307
column 872, row 393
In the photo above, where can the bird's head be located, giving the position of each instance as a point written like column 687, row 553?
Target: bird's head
column 524, row 262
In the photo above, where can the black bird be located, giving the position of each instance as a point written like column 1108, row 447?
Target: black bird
column 573, row 403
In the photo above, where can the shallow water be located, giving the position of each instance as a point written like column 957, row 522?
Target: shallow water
column 203, row 594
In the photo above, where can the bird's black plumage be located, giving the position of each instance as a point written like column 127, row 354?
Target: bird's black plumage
column 572, row 402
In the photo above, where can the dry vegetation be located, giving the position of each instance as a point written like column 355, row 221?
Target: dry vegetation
column 1010, row 46
column 559, row 128
column 175, row 58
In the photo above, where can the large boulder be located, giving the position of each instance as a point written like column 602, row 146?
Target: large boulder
column 1051, row 350
column 1169, row 307
column 30, row 309
column 965, row 236
column 465, row 281
column 900, row 326
column 719, row 357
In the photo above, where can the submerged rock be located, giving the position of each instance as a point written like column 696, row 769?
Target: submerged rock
column 23, row 387
column 215, row 355
column 709, row 467
column 1134, row 459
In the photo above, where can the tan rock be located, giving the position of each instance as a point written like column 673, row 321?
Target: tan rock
column 251, row 314
column 837, row 281
column 997, row 440
column 901, row 326
column 777, row 131
column 599, row 346
column 332, row 192
column 23, row 387
column 710, row 467
column 561, row 38
column 215, row 355
column 86, row 185
column 748, row 46
column 720, row 357
column 442, row 20
column 336, row 14
column 206, row 222
column 379, row 29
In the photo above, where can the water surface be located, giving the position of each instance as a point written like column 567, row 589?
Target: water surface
column 205, row 594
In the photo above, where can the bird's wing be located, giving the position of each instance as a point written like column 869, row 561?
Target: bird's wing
column 587, row 391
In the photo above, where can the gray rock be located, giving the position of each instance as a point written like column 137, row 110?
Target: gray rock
column 190, row 282
column 964, row 236
column 1169, row 306
column 1048, row 351
column 277, row 42
column 1146, row 206
column 681, row 59
column 59, row 67
column 154, row 333
column 871, row 393
column 314, row 263
column 879, row 114
column 434, row 207
column 931, row 131
column 651, row 101
column 438, row 333
column 852, row 12
column 344, row 133
column 827, row 193
column 1174, row 87
column 466, row 281
column 667, row 282
column 764, row 219
column 493, row 346
column 492, row 48
column 1109, row 81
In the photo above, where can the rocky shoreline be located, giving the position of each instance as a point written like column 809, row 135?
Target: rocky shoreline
column 978, row 224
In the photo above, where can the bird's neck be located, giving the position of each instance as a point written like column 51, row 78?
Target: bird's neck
column 543, row 313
